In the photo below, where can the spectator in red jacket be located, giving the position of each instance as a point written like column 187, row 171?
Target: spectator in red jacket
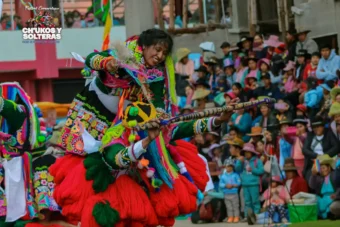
column 310, row 70
column 293, row 181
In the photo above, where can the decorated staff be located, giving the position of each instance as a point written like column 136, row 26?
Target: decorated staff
column 200, row 115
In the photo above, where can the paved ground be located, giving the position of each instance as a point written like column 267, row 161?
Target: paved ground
column 189, row 224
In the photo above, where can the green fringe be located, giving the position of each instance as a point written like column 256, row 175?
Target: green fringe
column 105, row 215
column 98, row 171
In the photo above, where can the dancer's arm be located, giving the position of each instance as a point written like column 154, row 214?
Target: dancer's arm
column 101, row 61
column 13, row 113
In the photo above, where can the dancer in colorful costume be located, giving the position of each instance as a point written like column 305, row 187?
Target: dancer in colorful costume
column 26, row 187
column 112, row 174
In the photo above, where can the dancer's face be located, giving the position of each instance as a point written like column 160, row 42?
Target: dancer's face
column 155, row 54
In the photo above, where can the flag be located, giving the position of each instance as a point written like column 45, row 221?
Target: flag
column 107, row 30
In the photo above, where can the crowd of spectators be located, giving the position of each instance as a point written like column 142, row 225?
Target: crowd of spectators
column 268, row 154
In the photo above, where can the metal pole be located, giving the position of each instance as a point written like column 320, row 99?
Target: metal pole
column 111, row 12
column 205, row 11
column 223, row 11
column 12, row 16
column 62, row 13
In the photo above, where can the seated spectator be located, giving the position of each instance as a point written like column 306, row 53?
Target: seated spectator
column 328, row 65
column 255, row 134
column 241, row 69
column 290, row 82
column 252, row 169
column 326, row 100
column 283, row 110
column 319, row 142
column 310, row 70
column 312, row 97
column 285, row 146
column 305, row 43
column 259, row 47
column 267, row 116
column 230, row 183
column 302, row 57
column 276, row 197
column 242, row 121
column 184, row 66
column 225, row 46
column 294, row 183
column 268, row 88
column 239, row 92
column 229, row 71
column 323, row 181
column 252, row 71
column 201, row 98
column 334, row 113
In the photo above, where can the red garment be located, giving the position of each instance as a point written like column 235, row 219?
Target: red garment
column 299, row 184
column 309, row 71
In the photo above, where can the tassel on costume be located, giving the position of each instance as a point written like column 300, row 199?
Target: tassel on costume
column 194, row 164
column 73, row 192
column 63, row 166
column 125, row 196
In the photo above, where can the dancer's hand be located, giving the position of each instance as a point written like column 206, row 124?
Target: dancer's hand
column 111, row 66
column 153, row 133
column 229, row 186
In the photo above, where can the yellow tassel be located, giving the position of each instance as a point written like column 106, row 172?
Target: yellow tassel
column 132, row 124
column 132, row 138
column 171, row 79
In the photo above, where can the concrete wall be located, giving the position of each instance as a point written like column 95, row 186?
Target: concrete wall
column 320, row 16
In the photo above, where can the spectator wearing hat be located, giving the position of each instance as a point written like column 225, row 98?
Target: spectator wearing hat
column 335, row 94
column 276, row 197
column 201, row 98
column 272, row 43
column 323, row 181
column 328, row 65
column 267, row 116
column 326, row 100
column 242, row 121
column 310, row 69
column 334, row 114
column 230, row 136
column 235, row 56
column 302, row 57
column 235, row 148
column 305, row 43
column 290, row 82
column 296, row 136
column 229, row 71
column 283, row 110
column 301, row 111
column 255, row 134
column 184, row 65
column 264, row 67
column 268, row 89
column 284, row 146
column 206, row 47
column 294, row 183
column 253, row 169
column 201, row 73
column 229, row 183
column 245, row 44
column 312, row 97
column 292, row 42
column 320, row 141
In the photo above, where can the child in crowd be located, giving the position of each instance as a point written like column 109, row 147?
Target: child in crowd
column 229, row 71
column 250, row 177
column 260, row 150
column 276, row 197
column 312, row 97
column 310, row 70
column 252, row 71
column 290, row 83
column 229, row 183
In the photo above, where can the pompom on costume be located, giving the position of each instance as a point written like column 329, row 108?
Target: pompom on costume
column 106, row 177
column 26, row 186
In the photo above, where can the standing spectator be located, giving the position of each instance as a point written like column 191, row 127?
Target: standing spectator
column 305, row 43
column 310, row 70
column 320, row 141
column 77, row 19
column 250, row 177
column 291, row 40
column 328, row 65
column 229, row 183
